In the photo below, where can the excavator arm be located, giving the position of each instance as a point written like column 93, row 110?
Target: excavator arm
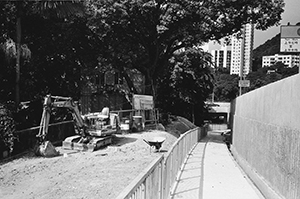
column 60, row 102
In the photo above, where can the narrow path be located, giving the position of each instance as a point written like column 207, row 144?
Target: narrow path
column 190, row 183
column 210, row 172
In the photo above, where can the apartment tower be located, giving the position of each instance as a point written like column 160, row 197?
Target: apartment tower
column 241, row 51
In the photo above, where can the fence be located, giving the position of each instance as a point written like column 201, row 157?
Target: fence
column 148, row 184
column 157, row 180
column 26, row 139
column 148, row 115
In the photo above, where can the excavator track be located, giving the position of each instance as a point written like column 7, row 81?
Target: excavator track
column 73, row 143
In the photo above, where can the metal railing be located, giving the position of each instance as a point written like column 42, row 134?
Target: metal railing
column 149, row 115
column 175, row 158
column 157, row 180
column 148, row 184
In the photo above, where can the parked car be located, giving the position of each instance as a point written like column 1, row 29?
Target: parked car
column 227, row 135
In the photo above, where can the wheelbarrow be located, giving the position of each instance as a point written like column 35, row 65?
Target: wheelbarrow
column 155, row 142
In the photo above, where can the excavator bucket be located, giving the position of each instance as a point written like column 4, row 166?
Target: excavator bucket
column 46, row 149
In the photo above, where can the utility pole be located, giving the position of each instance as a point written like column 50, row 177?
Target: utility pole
column 242, row 59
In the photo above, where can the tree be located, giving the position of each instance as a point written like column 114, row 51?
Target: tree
column 226, row 87
column 48, row 8
column 283, row 69
column 63, row 51
column 187, row 84
column 145, row 34
column 7, row 129
column 267, row 75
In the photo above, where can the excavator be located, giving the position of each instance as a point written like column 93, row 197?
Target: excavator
column 93, row 130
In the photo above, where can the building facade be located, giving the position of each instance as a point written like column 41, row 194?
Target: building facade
column 221, row 53
column 288, row 60
column 235, row 53
column 221, row 58
column 242, row 47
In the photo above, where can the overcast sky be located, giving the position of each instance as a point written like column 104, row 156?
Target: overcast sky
column 291, row 14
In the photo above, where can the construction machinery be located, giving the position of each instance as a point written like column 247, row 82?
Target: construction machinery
column 93, row 130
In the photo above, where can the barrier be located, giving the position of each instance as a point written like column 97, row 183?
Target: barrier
column 148, row 184
column 148, row 115
column 266, row 137
column 175, row 159
column 157, row 180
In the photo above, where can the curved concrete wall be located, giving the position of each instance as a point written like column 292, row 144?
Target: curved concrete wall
column 266, row 137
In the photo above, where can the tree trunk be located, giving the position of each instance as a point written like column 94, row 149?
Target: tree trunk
column 150, row 87
column 129, row 82
column 18, row 53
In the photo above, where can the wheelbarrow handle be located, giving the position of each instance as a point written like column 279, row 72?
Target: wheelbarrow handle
column 146, row 141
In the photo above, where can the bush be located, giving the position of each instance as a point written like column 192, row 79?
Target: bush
column 7, row 128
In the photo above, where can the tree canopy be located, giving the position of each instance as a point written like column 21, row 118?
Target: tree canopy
column 144, row 34
column 15, row 12
column 130, row 34
column 226, row 87
column 61, row 47
column 267, row 75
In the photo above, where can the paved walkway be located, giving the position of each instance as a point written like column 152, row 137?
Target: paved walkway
column 211, row 173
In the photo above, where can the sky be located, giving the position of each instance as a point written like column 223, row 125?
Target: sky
column 291, row 14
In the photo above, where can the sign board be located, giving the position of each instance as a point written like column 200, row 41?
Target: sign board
column 142, row 102
column 290, row 39
column 244, row 83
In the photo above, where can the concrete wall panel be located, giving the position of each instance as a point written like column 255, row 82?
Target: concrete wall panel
column 266, row 134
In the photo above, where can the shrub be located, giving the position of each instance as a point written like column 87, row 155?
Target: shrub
column 7, row 128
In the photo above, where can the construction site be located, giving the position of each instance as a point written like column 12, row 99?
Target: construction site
column 97, row 161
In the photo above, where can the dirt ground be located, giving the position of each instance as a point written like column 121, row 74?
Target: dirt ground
column 100, row 174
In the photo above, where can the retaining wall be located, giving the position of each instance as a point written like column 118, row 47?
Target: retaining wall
column 266, row 137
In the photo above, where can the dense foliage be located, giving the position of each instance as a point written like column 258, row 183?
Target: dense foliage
column 187, row 85
column 7, row 128
column 264, row 76
column 37, row 39
column 226, row 85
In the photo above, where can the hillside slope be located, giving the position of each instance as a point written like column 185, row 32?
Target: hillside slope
column 270, row 47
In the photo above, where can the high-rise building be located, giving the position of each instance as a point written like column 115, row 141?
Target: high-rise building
column 235, row 53
column 221, row 53
column 242, row 47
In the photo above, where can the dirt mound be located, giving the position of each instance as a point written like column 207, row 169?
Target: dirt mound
column 186, row 122
column 179, row 125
